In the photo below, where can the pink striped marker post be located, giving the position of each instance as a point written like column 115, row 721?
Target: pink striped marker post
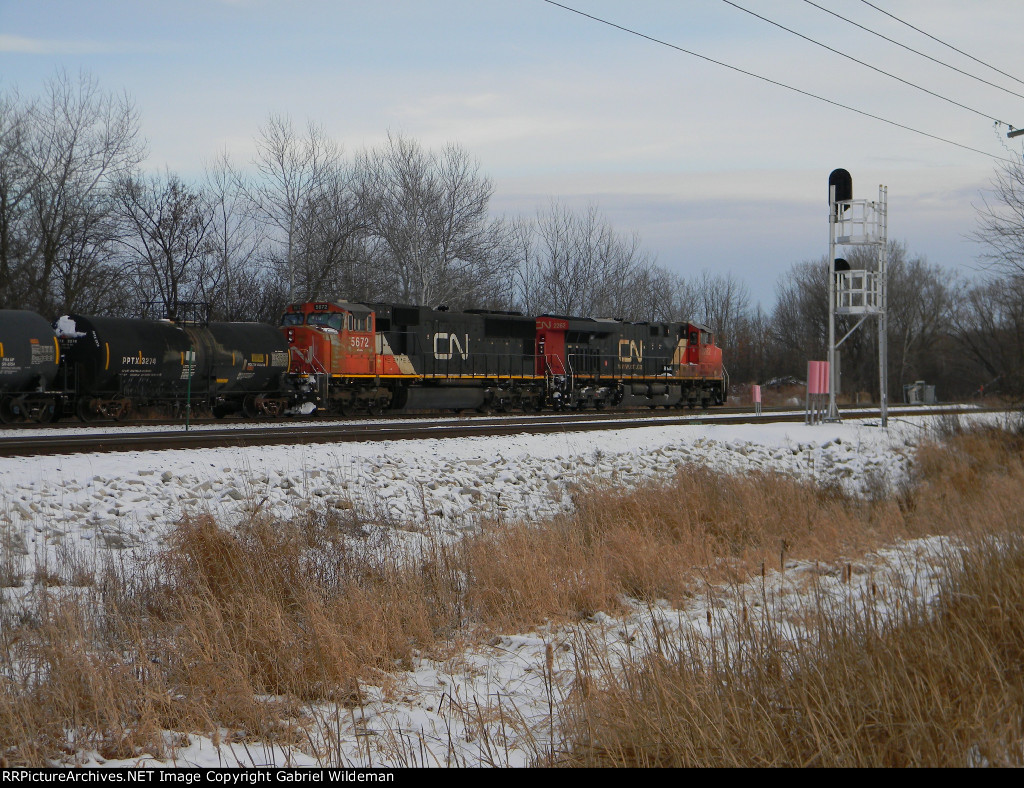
column 817, row 391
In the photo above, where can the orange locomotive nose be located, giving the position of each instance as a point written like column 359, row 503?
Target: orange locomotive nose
column 308, row 352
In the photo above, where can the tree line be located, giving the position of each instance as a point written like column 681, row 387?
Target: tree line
column 85, row 228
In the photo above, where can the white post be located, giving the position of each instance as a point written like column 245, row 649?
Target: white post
column 833, row 410
column 883, row 294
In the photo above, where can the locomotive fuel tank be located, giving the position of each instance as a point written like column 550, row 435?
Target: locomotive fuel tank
column 28, row 352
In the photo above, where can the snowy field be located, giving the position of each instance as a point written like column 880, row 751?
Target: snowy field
column 120, row 500
column 91, row 503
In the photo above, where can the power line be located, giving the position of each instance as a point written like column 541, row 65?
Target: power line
column 915, row 51
column 772, row 81
column 866, row 65
column 939, row 40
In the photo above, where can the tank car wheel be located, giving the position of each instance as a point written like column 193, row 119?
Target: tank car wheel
column 118, row 409
column 49, row 413
column 249, row 407
column 85, row 411
column 7, row 414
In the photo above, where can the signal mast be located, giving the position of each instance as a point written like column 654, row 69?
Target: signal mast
column 857, row 292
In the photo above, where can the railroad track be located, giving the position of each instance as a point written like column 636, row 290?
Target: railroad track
column 94, row 440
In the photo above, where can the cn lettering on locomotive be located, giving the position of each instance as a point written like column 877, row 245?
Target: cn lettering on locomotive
column 453, row 345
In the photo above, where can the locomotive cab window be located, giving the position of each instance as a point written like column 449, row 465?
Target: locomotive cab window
column 333, row 320
column 292, row 319
column 694, row 338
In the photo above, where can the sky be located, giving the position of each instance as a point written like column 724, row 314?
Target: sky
column 715, row 170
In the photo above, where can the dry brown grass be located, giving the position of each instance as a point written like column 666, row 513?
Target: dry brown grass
column 924, row 688
column 238, row 628
column 657, row 542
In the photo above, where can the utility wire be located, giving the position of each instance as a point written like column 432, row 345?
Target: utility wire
column 772, row 81
column 866, row 65
column 939, row 40
column 915, row 51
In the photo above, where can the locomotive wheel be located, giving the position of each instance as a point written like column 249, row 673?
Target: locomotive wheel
column 375, row 407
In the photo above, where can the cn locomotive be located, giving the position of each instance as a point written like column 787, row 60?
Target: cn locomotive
column 347, row 358
column 376, row 357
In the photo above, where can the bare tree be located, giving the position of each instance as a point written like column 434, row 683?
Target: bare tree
column 235, row 239
column 429, row 219
column 576, row 263
column 1001, row 219
column 989, row 328
column 18, row 179
column 920, row 317
column 799, row 324
column 293, row 172
column 165, row 228
column 725, row 301
column 333, row 255
column 84, row 140
column 60, row 157
column 990, row 320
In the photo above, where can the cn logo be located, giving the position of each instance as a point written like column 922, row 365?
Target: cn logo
column 447, row 346
column 630, row 351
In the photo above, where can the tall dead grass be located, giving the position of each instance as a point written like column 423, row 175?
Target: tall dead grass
column 236, row 630
column 918, row 687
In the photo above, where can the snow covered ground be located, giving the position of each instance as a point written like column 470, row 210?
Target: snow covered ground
column 125, row 499
column 119, row 501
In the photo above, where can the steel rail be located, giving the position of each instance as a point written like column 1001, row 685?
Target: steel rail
column 313, row 433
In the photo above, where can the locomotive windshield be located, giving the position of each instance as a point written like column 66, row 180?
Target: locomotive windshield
column 292, row 319
column 334, row 320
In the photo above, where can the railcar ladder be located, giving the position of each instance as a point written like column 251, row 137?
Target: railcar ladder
column 555, row 369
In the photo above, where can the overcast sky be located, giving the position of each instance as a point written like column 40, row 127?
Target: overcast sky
column 714, row 169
